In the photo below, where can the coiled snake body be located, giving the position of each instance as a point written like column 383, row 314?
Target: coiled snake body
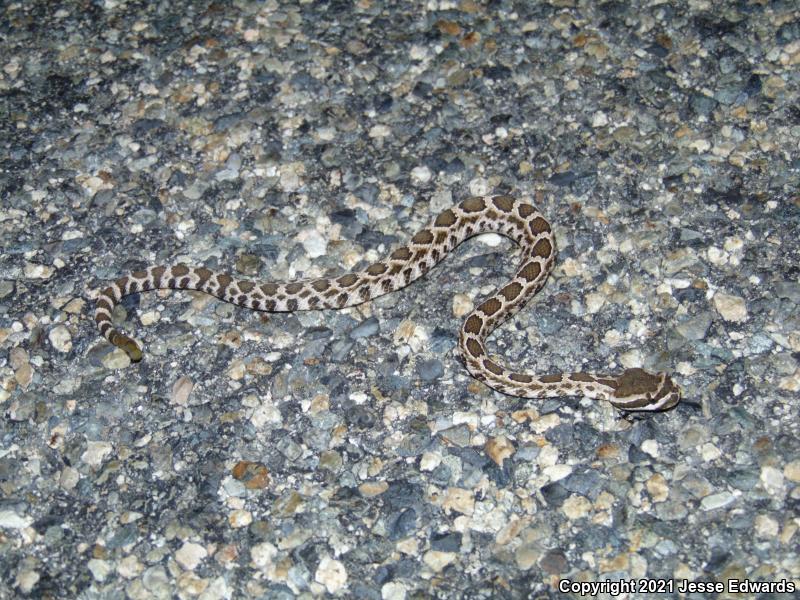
column 633, row 389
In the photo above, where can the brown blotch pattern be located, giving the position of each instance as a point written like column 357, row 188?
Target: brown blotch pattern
column 543, row 248
column 530, row 271
column 475, row 204
column 474, row 347
column 423, row 237
column 347, row 280
column 246, row 286
column 504, row 203
column 555, row 378
column 445, row 219
column 180, row 270
column 223, row 280
column 525, row 210
column 203, row 275
column 401, row 254
column 520, row 378
column 376, row 269
column 320, row 285
column 473, row 325
column 511, row 291
column 491, row 306
column 539, row 225
column 293, row 288
column 581, row 377
column 636, row 381
column 269, row 289
column 492, row 366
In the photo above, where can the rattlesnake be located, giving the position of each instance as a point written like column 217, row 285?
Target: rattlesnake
column 634, row 389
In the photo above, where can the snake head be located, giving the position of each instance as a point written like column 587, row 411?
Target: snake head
column 639, row 390
column 130, row 347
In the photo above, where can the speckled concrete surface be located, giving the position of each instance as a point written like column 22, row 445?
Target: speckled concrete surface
column 348, row 453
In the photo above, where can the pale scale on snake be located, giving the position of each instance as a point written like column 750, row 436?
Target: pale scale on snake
column 632, row 390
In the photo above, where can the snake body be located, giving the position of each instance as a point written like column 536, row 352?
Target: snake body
column 632, row 390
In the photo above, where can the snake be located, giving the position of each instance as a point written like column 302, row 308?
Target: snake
column 633, row 389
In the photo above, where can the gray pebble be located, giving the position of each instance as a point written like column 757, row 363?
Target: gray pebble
column 430, row 369
column 366, row 328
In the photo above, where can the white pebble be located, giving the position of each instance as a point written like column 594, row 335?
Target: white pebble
column 478, row 186
column 240, row 518
column 394, row 590
column 130, row 567
column 459, row 500
column 409, row 332
column 720, row 500
column 766, row 526
column 717, row 256
column 69, row 478
column 420, row 175
column 732, row 308
column 99, row 569
column 331, row 573
column 290, row 176
column 26, row 580
column 599, row 119
column 116, row 359
column 262, row 555
column 150, row 317
column 315, row 245
column 11, row 520
column 650, row 447
column 430, row 460
column 773, row 481
column 462, row 305
column 438, row 560
column 594, row 302
column 576, row 507
column 380, row 131
column 36, row 271
column 557, row 472
column 710, row 452
column 190, row 555
column 181, row 390
column 96, row 452
column 792, row 471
